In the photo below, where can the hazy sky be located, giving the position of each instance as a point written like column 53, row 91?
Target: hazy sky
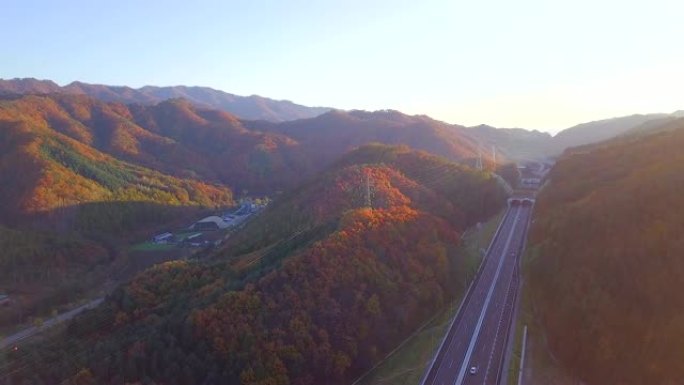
column 535, row 64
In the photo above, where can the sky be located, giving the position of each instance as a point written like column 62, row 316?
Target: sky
column 534, row 64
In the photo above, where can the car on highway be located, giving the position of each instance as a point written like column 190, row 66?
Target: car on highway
column 473, row 370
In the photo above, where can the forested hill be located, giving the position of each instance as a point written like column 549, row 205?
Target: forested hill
column 321, row 290
column 172, row 137
column 61, row 188
column 332, row 134
column 69, row 207
column 519, row 144
column 178, row 139
column 607, row 246
column 328, row 133
column 434, row 184
column 246, row 107
column 599, row 130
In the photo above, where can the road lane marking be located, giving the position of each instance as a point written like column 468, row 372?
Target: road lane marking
column 476, row 333
column 498, row 328
column 482, row 270
column 508, row 303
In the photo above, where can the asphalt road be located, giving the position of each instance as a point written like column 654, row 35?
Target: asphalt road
column 478, row 333
column 16, row 338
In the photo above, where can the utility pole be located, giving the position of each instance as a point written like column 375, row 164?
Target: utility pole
column 494, row 154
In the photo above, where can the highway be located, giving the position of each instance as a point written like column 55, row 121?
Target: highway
column 15, row 338
column 478, row 334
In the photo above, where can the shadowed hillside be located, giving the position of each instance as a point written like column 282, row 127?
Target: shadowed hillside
column 608, row 264
column 597, row 131
column 512, row 143
column 328, row 136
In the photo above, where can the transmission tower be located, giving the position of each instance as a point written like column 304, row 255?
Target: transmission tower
column 478, row 163
column 369, row 203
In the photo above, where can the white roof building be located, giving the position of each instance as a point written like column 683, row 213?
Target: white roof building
column 211, row 222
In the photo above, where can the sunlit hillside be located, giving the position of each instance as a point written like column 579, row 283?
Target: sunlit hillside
column 321, row 297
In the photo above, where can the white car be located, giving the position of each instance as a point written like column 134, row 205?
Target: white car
column 473, row 370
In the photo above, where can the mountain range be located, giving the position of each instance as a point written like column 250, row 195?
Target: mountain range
column 177, row 138
column 80, row 177
column 247, row 107
column 510, row 144
column 365, row 224
column 73, row 163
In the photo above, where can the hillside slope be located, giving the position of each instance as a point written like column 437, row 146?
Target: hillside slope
column 53, row 184
column 514, row 144
column 340, row 130
column 519, row 144
column 608, row 267
column 172, row 137
column 597, row 131
column 322, row 300
column 68, row 210
column 332, row 134
column 179, row 139
column 46, row 163
column 246, row 107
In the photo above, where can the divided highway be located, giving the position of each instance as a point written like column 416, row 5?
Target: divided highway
column 478, row 334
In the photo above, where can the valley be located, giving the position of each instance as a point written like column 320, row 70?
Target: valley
column 341, row 193
column 357, row 251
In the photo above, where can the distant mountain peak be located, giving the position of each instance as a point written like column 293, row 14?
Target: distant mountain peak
column 27, row 85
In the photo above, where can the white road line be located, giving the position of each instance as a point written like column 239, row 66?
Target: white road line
column 473, row 286
column 496, row 336
column 476, row 333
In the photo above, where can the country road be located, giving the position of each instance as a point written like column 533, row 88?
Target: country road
column 477, row 336
column 15, row 338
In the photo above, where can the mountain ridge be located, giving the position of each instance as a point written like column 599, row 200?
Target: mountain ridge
column 251, row 107
column 512, row 144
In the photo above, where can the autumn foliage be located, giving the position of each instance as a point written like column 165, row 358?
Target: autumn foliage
column 332, row 286
column 173, row 139
column 327, row 136
column 392, row 175
column 335, row 308
column 182, row 140
column 608, row 268
column 70, row 201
